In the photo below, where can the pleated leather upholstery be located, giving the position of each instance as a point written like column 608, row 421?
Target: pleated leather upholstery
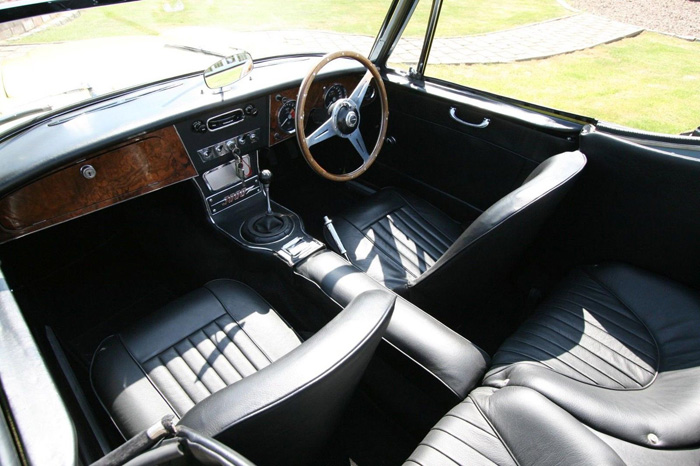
column 462, row 436
column 619, row 349
column 212, row 358
column 607, row 371
column 510, row 426
column 396, row 237
column 223, row 333
column 586, row 333
column 403, row 237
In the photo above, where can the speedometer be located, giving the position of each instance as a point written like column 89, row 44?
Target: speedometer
column 285, row 116
column 333, row 94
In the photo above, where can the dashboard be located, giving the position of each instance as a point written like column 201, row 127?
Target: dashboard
column 148, row 139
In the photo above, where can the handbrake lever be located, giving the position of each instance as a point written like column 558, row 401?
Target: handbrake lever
column 328, row 223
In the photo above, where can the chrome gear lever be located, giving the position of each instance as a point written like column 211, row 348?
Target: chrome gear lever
column 265, row 178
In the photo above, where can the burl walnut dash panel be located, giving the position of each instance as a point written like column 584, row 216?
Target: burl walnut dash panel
column 127, row 170
column 314, row 100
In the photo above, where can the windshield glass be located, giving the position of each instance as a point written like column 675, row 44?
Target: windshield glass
column 50, row 61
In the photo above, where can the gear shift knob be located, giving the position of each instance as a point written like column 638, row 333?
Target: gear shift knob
column 265, row 178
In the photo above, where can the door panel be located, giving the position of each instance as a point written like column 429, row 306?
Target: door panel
column 455, row 162
column 463, row 169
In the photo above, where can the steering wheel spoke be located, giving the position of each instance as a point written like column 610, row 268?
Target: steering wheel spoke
column 323, row 132
column 359, row 144
column 358, row 94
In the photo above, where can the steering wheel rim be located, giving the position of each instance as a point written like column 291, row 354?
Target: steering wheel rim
column 341, row 122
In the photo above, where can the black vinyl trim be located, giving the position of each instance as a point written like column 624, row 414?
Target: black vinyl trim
column 549, row 121
column 22, row 10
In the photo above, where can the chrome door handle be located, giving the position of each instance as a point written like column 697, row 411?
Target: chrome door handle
column 483, row 124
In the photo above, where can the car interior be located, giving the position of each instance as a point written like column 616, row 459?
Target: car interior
column 321, row 263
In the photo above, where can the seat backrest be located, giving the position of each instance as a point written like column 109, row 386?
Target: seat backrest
column 492, row 244
column 283, row 413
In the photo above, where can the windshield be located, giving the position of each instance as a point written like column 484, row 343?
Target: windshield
column 50, row 61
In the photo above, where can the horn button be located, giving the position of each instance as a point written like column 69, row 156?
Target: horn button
column 346, row 116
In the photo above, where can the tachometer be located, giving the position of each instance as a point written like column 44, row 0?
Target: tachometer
column 285, row 116
column 333, row 94
column 369, row 95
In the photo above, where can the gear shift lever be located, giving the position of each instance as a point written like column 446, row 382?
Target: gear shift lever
column 269, row 226
column 265, row 178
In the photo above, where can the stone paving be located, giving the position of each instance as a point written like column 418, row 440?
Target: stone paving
column 540, row 40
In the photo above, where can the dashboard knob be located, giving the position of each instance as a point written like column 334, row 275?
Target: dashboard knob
column 251, row 110
column 199, row 127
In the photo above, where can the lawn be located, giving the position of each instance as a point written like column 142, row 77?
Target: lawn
column 468, row 17
column 650, row 82
column 345, row 16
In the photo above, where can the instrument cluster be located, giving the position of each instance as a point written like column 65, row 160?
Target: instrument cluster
column 322, row 95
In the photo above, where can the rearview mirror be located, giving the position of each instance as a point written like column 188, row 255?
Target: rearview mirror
column 228, row 70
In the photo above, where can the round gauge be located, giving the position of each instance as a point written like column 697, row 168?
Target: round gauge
column 369, row 95
column 285, row 116
column 333, row 94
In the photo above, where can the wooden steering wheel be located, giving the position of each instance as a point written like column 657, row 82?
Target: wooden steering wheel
column 344, row 120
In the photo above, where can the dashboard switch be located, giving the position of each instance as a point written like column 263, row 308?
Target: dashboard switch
column 251, row 110
column 205, row 154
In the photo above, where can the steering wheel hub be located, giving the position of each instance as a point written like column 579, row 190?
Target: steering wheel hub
column 347, row 117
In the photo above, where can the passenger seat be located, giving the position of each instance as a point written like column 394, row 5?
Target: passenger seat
column 607, row 371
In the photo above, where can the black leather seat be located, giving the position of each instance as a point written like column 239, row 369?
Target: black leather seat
column 414, row 249
column 225, row 364
column 607, row 371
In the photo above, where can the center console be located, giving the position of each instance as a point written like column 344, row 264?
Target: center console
column 224, row 149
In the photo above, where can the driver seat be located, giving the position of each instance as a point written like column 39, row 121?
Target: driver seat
column 414, row 249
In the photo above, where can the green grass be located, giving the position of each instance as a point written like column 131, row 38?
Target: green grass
column 467, row 17
column 459, row 17
column 650, row 82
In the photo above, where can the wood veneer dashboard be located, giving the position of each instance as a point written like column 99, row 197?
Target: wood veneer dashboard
column 315, row 100
column 135, row 167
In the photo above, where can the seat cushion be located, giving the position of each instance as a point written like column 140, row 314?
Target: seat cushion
column 618, row 348
column 180, row 355
column 510, row 426
column 395, row 236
